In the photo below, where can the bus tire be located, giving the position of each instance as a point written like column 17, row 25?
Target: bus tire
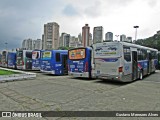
column 141, row 75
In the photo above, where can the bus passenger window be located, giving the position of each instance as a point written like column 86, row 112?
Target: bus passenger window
column 58, row 59
column 29, row 54
column 127, row 54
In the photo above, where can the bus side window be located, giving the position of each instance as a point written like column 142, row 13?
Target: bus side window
column 127, row 54
column 29, row 54
column 58, row 58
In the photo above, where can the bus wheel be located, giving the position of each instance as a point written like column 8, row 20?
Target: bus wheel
column 141, row 75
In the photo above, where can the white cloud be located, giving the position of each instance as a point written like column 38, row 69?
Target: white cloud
column 117, row 16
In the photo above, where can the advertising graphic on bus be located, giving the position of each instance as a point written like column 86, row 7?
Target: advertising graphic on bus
column 36, row 59
column 79, row 63
column 54, row 61
column 12, row 60
column 123, row 61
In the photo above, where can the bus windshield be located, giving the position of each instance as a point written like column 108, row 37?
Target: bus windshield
column 19, row 53
column 35, row 55
column 46, row 55
column 77, row 54
column 106, row 50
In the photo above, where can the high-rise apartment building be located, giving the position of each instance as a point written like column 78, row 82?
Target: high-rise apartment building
column 27, row 44
column 85, row 35
column 51, row 36
column 80, row 37
column 30, row 44
column 109, row 36
column 90, row 39
column 129, row 39
column 67, row 38
column 37, row 44
column 61, row 41
column 98, row 34
column 123, row 37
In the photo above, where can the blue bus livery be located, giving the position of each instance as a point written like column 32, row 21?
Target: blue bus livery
column 80, row 62
column 54, row 62
column 12, row 60
column 36, row 59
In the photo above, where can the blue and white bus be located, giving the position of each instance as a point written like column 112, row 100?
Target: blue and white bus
column 80, row 62
column 123, row 61
column 36, row 56
column 12, row 60
column 54, row 62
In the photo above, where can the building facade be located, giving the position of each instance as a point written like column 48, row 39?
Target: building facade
column 51, row 36
column 129, row 39
column 123, row 37
column 85, row 35
column 98, row 34
column 67, row 38
column 109, row 36
column 27, row 44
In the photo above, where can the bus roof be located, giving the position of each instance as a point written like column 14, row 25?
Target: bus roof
column 81, row 48
column 130, row 44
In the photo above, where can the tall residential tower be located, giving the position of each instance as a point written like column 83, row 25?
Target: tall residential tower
column 98, row 34
column 85, row 35
column 51, row 36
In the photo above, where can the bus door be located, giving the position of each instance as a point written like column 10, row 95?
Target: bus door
column 149, row 57
column 64, row 64
column 28, row 60
column 134, row 65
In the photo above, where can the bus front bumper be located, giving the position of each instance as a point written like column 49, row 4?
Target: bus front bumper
column 49, row 72
column 75, row 74
column 35, row 68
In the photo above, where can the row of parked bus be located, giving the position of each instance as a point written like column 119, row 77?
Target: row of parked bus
column 51, row 61
column 108, row 60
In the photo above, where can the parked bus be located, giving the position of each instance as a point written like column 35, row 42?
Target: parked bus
column 36, row 59
column 54, row 62
column 24, row 59
column 79, row 62
column 11, row 60
column 4, row 58
column 159, row 60
column 123, row 61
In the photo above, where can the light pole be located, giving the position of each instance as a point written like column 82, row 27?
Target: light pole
column 117, row 37
column 136, row 31
column 6, row 45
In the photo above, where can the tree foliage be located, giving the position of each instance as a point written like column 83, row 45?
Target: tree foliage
column 153, row 42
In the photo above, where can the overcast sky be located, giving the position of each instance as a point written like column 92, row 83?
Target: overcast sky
column 22, row 19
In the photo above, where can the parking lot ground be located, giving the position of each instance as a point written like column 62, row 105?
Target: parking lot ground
column 64, row 93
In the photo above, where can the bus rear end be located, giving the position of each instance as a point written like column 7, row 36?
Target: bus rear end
column 47, row 62
column 36, row 60
column 107, row 61
column 19, row 59
column 4, row 58
column 12, row 60
column 79, row 63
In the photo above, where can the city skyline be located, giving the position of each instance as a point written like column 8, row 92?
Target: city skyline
column 22, row 19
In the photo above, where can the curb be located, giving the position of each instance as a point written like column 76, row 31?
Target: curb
column 12, row 77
